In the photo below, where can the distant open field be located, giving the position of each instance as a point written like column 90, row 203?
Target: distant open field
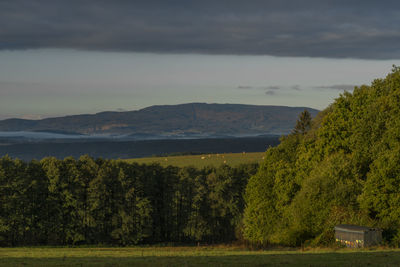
column 195, row 256
column 199, row 161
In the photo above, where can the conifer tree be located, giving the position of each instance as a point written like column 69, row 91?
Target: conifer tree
column 303, row 123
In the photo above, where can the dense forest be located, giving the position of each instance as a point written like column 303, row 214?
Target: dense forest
column 111, row 202
column 342, row 167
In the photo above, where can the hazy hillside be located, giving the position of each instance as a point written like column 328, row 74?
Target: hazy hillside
column 194, row 119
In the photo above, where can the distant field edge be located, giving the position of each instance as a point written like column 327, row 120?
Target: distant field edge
column 133, row 149
column 202, row 160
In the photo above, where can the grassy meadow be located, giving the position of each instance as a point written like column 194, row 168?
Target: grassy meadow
column 199, row 161
column 195, row 256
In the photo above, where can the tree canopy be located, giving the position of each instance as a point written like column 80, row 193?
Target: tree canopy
column 343, row 167
column 111, row 202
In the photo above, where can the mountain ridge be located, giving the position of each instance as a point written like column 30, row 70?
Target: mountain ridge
column 190, row 119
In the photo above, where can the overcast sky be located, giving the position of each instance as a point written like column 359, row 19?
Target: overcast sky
column 70, row 57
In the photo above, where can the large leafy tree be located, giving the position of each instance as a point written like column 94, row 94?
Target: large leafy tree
column 342, row 168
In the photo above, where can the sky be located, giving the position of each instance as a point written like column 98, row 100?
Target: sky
column 73, row 57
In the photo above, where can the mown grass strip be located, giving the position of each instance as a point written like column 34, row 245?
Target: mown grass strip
column 195, row 256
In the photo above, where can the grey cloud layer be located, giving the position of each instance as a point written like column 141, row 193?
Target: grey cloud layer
column 341, row 87
column 273, row 87
column 335, row 29
column 270, row 92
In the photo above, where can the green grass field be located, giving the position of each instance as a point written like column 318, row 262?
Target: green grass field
column 195, row 256
column 199, row 161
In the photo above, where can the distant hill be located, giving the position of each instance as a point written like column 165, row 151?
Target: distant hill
column 185, row 120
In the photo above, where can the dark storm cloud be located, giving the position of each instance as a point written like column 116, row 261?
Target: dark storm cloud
column 335, row 29
column 341, row 87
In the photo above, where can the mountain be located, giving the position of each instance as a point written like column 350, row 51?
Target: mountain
column 185, row 120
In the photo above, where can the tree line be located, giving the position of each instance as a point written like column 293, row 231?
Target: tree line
column 112, row 202
column 343, row 167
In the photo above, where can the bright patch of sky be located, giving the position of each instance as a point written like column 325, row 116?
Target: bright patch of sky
column 53, row 82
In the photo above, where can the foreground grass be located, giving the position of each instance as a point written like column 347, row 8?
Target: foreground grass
column 199, row 161
column 195, row 256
